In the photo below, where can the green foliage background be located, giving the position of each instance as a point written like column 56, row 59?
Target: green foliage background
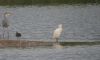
column 47, row 2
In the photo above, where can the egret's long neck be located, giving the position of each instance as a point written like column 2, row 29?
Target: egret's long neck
column 60, row 27
column 5, row 17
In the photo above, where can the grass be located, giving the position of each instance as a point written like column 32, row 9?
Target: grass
column 80, row 43
column 46, row 2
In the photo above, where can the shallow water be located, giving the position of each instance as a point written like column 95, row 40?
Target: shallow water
column 34, row 22
column 67, row 53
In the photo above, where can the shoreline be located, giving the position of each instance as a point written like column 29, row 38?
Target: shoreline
column 22, row 43
column 25, row 43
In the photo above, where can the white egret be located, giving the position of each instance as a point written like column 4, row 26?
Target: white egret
column 57, row 32
column 5, row 22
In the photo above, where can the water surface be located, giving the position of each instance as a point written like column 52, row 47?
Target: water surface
column 34, row 22
column 68, row 53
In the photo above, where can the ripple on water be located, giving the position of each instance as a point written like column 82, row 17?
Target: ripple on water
column 69, row 53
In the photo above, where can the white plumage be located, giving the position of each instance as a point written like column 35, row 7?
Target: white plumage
column 57, row 32
column 5, row 22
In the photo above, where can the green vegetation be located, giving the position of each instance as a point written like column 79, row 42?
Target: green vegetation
column 80, row 43
column 47, row 2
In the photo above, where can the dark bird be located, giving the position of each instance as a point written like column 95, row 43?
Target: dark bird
column 18, row 35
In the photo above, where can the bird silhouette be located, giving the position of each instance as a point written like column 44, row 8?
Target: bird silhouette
column 5, row 22
column 18, row 35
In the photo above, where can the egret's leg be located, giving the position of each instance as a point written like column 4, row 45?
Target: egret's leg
column 17, row 38
column 3, row 32
column 0, row 36
column 8, row 33
column 20, row 43
column 57, row 40
column 28, row 44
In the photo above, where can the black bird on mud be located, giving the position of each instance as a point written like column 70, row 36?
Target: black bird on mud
column 18, row 35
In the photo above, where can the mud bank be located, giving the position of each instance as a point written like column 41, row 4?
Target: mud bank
column 25, row 43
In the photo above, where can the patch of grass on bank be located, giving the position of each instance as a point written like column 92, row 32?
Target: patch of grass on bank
column 80, row 43
column 46, row 2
